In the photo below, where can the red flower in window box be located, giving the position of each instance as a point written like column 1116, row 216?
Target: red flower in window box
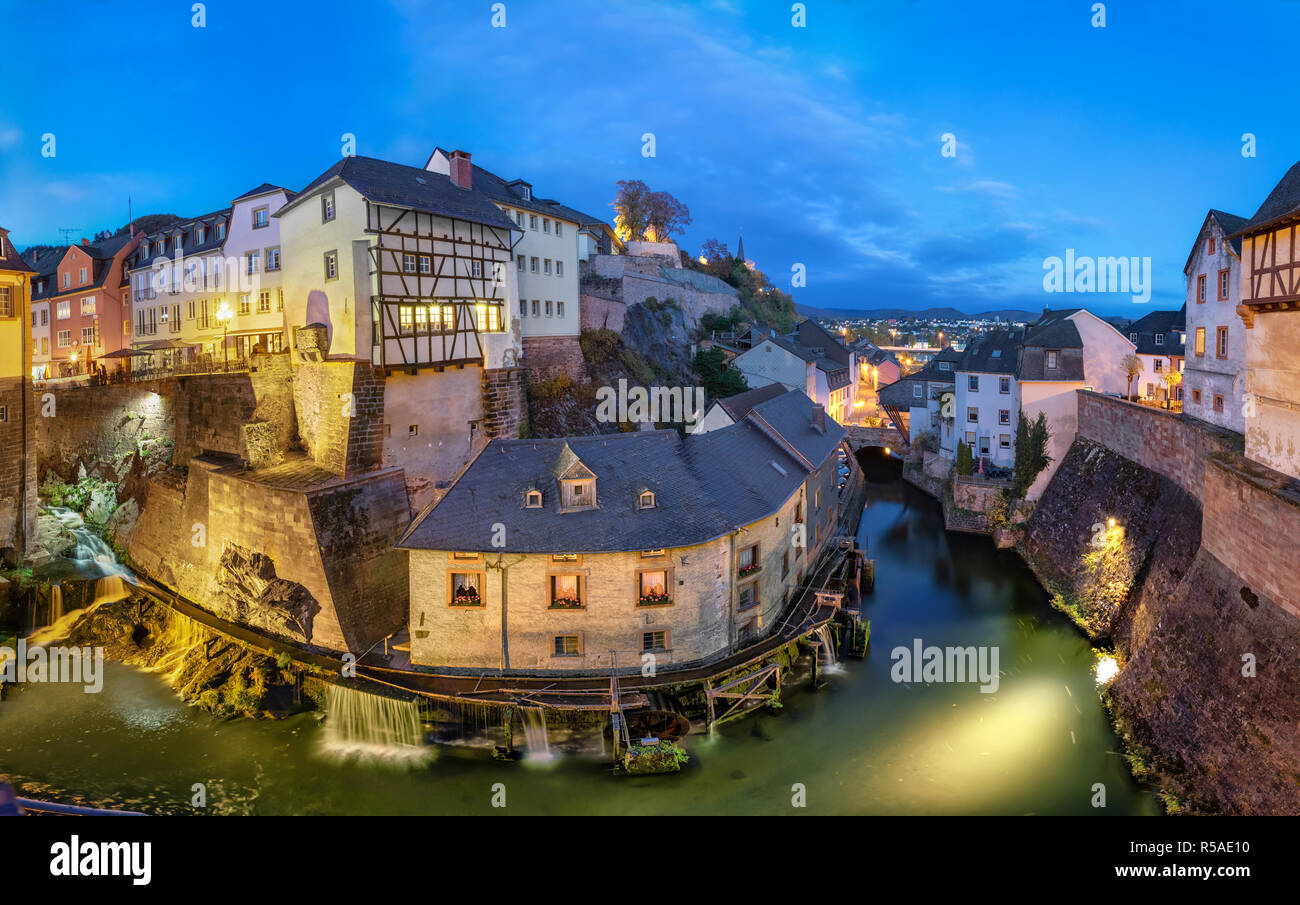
column 654, row 598
column 566, row 603
column 465, row 597
column 748, row 570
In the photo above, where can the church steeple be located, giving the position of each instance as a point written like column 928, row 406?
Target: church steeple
column 740, row 247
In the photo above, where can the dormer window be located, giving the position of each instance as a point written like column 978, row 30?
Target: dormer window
column 533, row 499
column 1160, row 339
column 646, row 500
column 526, row 192
column 200, row 234
column 577, row 482
column 1133, row 338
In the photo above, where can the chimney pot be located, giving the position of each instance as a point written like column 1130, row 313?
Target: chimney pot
column 462, row 171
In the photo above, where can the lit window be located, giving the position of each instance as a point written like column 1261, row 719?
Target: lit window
column 646, row 500
column 533, row 499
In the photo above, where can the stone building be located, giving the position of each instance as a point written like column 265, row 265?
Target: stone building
column 400, row 288
column 1270, row 311
column 589, row 553
column 1215, row 371
column 17, row 452
column 811, row 360
column 179, row 284
column 1160, row 340
column 553, row 240
column 90, row 311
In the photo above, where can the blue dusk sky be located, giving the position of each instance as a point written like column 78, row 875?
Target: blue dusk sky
column 821, row 143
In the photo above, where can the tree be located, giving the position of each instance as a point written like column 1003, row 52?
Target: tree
column 965, row 459
column 667, row 217
column 631, row 209
column 719, row 381
column 640, row 214
column 1173, row 378
column 1132, row 365
column 713, row 251
column 1031, row 451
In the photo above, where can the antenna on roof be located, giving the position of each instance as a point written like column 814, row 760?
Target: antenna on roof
column 68, row 231
column 130, row 218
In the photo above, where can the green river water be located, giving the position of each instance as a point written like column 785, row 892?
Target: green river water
column 863, row 745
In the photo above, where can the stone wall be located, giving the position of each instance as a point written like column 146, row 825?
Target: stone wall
column 599, row 311
column 551, row 356
column 504, row 398
column 331, row 542
column 1252, row 526
column 1164, row 442
column 339, row 407
column 1251, row 512
column 100, row 427
column 17, row 467
column 646, row 277
column 1185, row 624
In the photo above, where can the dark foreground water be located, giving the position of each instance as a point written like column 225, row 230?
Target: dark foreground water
column 863, row 745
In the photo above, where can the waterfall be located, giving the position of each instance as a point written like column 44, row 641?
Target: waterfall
column 183, row 637
column 370, row 725
column 56, row 604
column 535, row 739
column 826, row 650
column 93, row 556
column 110, row 589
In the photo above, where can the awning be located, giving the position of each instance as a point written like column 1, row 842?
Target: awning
column 126, row 353
column 166, row 345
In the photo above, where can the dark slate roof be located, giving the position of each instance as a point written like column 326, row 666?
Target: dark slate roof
column 105, row 249
column 1054, row 332
column 49, row 262
column 738, row 406
column 735, row 464
column 899, row 393
column 101, row 254
column 994, row 352
column 10, row 259
column 783, row 342
column 812, row 334
column 495, row 187
column 1169, row 323
column 705, row 485
column 1229, row 224
column 140, row 261
column 398, row 185
column 265, row 188
column 1283, row 203
column 790, row 414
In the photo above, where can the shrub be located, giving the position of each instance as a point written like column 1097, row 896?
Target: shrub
column 965, row 459
column 600, row 345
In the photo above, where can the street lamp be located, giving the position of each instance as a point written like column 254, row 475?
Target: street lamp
column 223, row 318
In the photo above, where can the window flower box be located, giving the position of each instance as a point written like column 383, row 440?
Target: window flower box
column 567, row 603
column 748, row 570
column 654, row 598
column 466, row 597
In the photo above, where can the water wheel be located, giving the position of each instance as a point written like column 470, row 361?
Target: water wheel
column 663, row 724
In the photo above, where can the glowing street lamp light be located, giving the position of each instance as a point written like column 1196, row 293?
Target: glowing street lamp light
column 223, row 318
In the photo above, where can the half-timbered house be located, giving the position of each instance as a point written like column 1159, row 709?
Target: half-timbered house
column 1270, row 311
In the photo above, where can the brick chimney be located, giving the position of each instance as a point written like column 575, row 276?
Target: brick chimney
column 85, row 242
column 819, row 417
column 462, row 171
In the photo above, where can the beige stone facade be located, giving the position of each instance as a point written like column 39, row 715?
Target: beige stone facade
column 718, row 602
